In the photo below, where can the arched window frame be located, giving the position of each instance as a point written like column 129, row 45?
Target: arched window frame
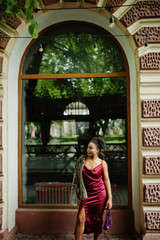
column 69, row 76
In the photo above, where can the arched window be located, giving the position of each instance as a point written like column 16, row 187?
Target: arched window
column 76, row 108
column 71, row 92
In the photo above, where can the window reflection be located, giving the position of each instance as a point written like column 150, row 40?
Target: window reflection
column 76, row 108
column 72, row 50
column 54, row 138
column 60, row 115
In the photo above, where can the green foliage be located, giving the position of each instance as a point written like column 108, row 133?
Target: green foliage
column 74, row 53
column 78, row 88
column 16, row 7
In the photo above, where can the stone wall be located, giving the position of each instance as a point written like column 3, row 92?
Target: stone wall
column 141, row 20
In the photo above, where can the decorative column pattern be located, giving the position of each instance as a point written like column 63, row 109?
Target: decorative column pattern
column 153, row 32
column 139, row 11
column 152, row 219
column 13, row 22
column 115, row 3
column 151, row 108
column 151, row 165
column 150, row 61
column 151, row 137
column 152, row 193
column 4, row 38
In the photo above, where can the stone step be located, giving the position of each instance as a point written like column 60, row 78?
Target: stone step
column 20, row 236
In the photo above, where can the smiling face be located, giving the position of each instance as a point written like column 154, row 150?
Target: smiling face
column 92, row 149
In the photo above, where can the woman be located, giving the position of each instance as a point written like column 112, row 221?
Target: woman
column 91, row 190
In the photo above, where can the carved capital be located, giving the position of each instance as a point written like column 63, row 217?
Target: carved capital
column 151, row 164
column 151, row 108
column 150, row 61
column 152, row 220
column 139, row 11
column 151, row 137
column 152, row 193
column 153, row 32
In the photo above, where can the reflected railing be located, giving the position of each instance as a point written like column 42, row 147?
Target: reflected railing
column 54, row 166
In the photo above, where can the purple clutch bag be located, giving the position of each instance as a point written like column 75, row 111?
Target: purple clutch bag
column 108, row 221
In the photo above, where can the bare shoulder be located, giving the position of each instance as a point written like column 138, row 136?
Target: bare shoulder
column 105, row 164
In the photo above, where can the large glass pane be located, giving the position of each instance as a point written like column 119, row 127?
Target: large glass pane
column 73, row 48
column 58, row 118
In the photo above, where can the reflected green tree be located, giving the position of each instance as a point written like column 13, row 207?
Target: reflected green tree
column 74, row 53
column 79, row 88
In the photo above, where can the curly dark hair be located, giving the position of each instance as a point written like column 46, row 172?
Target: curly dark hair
column 100, row 143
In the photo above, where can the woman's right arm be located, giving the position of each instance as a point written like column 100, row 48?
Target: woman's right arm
column 108, row 185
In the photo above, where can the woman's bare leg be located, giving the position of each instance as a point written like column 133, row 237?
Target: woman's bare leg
column 97, row 236
column 80, row 225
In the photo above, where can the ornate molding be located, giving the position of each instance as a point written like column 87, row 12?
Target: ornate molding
column 150, row 61
column 151, row 165
column 4, row 38
column 13, row 22
column 154, row 36
column 151, row 137
column 151, row 108
column 152, row 193
column 141, row 11
column 152, row 220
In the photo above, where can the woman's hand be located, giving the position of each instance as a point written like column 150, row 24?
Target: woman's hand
column 109, row 203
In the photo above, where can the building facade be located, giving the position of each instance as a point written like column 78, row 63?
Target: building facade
column 135, row 23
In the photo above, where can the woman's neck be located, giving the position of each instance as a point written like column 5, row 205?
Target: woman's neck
column 93, row 158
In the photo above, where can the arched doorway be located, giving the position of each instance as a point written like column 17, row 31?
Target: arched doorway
column 69, row 69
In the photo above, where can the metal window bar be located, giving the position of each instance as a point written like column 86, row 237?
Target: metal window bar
column 58, row 193
column 53, row 193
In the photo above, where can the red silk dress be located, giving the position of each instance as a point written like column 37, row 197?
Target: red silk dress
column 94, row 204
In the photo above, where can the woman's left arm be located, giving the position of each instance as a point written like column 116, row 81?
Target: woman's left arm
column 107, row 185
